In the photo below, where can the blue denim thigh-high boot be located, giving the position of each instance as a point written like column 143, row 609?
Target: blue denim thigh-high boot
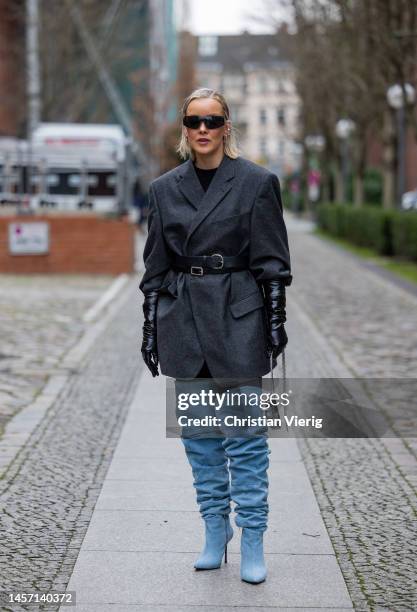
column 249, row 462
column 208, row 461
column 209, row 465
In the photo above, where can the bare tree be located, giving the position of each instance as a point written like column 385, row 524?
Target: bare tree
column 347, row 54
column 71, row 89
column 12, row 73
column 183, row 86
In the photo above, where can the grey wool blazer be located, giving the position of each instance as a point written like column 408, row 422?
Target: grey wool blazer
column 219, row 318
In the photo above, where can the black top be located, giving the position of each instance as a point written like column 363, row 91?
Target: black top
column 205, row 176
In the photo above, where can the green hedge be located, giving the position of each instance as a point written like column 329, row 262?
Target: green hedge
column 404, row 234
column 389, row 232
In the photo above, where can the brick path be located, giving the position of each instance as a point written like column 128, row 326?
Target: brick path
column 366, row 489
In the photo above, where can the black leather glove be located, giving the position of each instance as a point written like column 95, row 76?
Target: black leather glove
column 275, row 301
column 149, row 345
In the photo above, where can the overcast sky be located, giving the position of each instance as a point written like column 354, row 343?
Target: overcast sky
column 226, row 16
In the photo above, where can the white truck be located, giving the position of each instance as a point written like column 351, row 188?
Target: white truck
column 68, row 167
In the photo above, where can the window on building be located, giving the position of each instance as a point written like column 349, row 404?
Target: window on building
column 263, row 146
column 262, row 83
column 207, row 45
column 262, row 116
column 281, row 116
column 281, row 86
column 271, row 83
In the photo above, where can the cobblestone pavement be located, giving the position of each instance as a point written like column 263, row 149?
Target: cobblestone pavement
column 369, row 321
column 40, row 319
column 366, row 489
column 50, row 490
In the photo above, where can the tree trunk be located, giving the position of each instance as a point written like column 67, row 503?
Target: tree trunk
column 359, row 179
column 389, row 167
column 304, row 192
column 358, row 196
column 325, row 179
column 338, row 180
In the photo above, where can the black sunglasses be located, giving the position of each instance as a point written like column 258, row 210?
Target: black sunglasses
column 210, row 121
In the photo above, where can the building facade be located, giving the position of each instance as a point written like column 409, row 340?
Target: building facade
column 257, row 78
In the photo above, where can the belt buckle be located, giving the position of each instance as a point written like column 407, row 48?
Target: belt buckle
column 221, row 262
column 199, row 273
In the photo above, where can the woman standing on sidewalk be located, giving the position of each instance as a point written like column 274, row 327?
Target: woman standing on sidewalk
column 217, row 263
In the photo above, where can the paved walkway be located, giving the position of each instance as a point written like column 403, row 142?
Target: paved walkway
column 344, row 321
column 146, row 531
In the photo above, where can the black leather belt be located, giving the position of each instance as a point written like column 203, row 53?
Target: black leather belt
column 210, row 264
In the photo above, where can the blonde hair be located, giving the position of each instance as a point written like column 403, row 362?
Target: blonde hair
column 231, row 148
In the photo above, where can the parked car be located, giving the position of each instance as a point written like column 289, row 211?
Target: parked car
column 409, row 200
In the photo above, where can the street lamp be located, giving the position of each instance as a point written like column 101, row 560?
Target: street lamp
column 400, row 96
column 344, row 129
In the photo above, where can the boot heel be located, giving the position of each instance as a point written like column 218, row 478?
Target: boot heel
column 225, row 554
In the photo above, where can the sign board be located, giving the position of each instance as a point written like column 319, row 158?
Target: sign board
column 29, row 238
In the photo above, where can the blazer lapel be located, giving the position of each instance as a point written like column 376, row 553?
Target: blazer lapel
column 189, row 185
column 220, row 185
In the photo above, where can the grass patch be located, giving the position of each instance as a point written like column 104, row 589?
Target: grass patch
column 403, row 269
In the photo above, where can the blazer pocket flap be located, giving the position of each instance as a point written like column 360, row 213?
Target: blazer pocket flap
column 251, row 302
column 173, row 288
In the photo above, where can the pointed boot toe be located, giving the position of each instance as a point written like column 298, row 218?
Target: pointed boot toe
column 218, row 533
column 252, row 562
